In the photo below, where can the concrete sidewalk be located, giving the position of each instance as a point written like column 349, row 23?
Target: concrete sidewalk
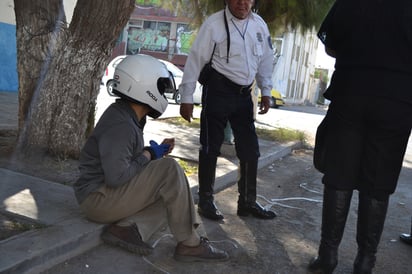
column 64, row 231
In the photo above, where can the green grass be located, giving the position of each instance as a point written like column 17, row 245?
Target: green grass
column 281, row 135
column 179, row 121
column 20, row 226
column 11, row 226
column 189, row 167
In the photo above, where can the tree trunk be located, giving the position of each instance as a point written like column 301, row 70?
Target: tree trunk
column 60, row 69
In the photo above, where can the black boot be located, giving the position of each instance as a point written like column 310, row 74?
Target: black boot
column 247, row 193
column 407, row 238
column 206, row 174
column 336, row 204
column 371, row 218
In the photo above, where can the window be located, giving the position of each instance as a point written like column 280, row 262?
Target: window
column 148, row 35
column 277, row 43
column 297, row 55
column 307, row 59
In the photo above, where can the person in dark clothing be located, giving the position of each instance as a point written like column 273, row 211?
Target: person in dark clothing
column 133, row 188
column 362, row 140
column 238, row 43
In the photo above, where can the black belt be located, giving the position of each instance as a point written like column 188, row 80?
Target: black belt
column 241, row 89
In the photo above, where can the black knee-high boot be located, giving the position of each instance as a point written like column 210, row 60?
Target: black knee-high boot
column 336, row 204
column 247, row 192
column 371, row 219
column 206, row 177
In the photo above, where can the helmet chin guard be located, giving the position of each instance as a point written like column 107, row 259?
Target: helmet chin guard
column 143, row 79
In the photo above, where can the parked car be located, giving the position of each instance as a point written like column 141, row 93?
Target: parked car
column 107, row 80
column 178, row 75
column 276, row 99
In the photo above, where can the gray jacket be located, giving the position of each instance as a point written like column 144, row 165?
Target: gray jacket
column 113, row 154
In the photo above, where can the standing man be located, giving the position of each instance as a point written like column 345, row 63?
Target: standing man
column 362, row 140
column 238, row 43
column 132, row 188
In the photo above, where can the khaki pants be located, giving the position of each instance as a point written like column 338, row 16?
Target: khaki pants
column 159, row 194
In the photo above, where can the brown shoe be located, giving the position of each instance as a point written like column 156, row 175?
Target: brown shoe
column 204, row 252
column 127, row 237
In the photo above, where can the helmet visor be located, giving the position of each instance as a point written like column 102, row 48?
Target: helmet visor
column 166, row 85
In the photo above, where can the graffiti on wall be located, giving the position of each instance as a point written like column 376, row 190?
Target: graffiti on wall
column 155, row 36
column 184, row 39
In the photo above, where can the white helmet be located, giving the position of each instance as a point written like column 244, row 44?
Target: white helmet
column 144, row 79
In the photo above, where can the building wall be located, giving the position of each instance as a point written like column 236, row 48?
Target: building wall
column 293, row 73
column 8, row 60
column 157, row 32
column 8, row 48
column 8, row 57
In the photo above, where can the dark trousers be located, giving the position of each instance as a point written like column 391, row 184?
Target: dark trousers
column 223, row 101
column 362, row 142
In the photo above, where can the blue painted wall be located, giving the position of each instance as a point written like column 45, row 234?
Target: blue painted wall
column 8, row 58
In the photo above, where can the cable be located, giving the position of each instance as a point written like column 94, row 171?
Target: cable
column 155, row 266
column 303, row 185
column 161, row 237
column 275, row 201
column 222, row 241
column 154, row 245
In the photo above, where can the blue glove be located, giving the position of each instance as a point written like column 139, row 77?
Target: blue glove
column 158, row 151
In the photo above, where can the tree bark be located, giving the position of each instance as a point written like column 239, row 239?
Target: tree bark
column 60, row 69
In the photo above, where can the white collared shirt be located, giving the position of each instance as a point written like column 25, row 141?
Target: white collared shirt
column 250, row 57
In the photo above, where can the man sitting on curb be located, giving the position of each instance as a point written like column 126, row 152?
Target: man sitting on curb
column 133, row 188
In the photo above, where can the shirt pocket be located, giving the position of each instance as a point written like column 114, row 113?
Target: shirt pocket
column 233, row 51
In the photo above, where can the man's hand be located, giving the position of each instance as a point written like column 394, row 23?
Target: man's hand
column 186, row 111
column 264, row 104
column 170, row 142
column 158, row 151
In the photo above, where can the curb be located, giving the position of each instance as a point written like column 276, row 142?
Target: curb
column 39, row 250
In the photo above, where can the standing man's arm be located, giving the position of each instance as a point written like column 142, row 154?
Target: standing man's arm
column 199, row 55
column 264, row 73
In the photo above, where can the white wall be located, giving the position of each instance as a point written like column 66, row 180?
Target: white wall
column 7, row 14
column 8, row 65
column 323, row 60
column 293, row 74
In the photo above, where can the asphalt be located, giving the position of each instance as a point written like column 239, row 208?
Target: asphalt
column 63, row 230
